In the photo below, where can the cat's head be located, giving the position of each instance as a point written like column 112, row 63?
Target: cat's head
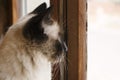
column 40, row 32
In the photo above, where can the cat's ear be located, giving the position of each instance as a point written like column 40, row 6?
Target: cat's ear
column 48, row 15
column 48, row 12
column 40, row 8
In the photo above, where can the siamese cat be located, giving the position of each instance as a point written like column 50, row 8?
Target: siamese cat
column 31, row 46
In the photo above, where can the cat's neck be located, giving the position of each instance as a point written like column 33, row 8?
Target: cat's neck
column 41, row 69
column 44, row 68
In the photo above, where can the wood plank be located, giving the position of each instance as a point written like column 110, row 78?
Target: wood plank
column 14, row 11
column 82, row 48
column 72, row 28
column 55, row 13
column 76, row 22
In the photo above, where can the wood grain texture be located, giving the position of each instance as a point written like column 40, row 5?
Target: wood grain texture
column 72, row 28
column 14, row 11
column 82, row 48
column 55, row 13
column 76, row 22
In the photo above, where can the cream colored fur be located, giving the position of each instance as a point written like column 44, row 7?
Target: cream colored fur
column 18, row 61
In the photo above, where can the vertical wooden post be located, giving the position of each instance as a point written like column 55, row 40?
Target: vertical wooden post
column 14, row 11
column 82, row 55
column 55, row 3
column 5, row 16
column 76, row 24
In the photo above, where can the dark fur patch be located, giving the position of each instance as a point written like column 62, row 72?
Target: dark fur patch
column 58, row 47
column 33, row 30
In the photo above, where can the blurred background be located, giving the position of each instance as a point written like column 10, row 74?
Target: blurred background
column 103, row 40
column 26, row 6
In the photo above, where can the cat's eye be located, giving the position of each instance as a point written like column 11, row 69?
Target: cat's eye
column 48, row 20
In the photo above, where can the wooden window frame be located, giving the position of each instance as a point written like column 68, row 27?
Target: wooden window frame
column 14, row 11
column 5, row 17
column 76, row 11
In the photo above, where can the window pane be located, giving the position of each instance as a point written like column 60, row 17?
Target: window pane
column 31, row 4
column 103, row 39
column 26, row 6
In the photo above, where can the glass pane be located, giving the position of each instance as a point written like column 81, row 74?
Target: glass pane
column 103, row 39
column 26, row 6
column 31, row 4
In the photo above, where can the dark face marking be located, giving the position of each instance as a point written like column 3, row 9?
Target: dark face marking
column 58, row 47
column 33, row 30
